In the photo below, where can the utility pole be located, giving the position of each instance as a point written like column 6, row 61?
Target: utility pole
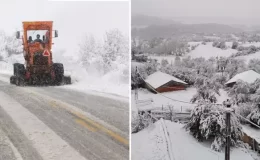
column 136, row 87
column 228, row 131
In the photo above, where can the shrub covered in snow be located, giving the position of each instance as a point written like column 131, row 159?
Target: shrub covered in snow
column 208, row 122
column 254, row 116
column 206, row 90
column 254, row 64
column 235, row 66
column 215, row 43
column 140, row 122
column 234, row 45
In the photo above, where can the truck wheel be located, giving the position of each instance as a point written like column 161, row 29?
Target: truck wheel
column 59, row 72
column 12, row 80
column 19, row 74
column 67, row 80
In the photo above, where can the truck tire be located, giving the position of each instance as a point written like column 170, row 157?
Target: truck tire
column 59, row 72
column 67, row 80
column 12, row 80
column 19, row 74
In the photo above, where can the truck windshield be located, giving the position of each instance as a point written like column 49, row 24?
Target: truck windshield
column 37, row 36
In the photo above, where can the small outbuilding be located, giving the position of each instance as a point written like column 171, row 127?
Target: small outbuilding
column 162, row 82
column 248, row 76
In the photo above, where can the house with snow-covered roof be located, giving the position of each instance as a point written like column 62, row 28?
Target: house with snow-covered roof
column 248, row 76
column 162, row 82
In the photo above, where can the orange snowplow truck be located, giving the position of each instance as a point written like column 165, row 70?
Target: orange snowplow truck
column 39, row 67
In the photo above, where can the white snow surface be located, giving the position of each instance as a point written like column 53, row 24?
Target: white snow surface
column 247, row 76
column 248, row 57
column 158, row 79
column 207, row 51
column 247, row 44
column 49, row 145
column 160, row 102
column 252, row 132
column 150, row 144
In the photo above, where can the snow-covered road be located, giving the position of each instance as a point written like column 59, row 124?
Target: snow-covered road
column 58, row 123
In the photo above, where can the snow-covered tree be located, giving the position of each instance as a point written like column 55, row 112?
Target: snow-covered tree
column 208, row 121
column 115, row 49
column 254, row 64
column 235, row 66
column 206, row 90
column 234, row 45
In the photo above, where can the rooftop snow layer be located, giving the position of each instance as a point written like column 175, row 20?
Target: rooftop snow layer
column 247, row 76
column 158, row 79
column 252, row 132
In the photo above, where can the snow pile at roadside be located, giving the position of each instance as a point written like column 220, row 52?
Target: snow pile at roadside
column 184, row 146
column 86, row 80
column 207, row 51
column 6, row 66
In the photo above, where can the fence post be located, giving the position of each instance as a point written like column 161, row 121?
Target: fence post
column 228, row 130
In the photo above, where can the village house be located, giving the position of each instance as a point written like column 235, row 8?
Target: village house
column 248, row 76
column 162, row 82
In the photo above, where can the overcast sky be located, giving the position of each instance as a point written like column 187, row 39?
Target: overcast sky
column 71, row 19
column 220, row 11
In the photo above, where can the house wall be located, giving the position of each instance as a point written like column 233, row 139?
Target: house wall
column 252, row 142
column 171, row 86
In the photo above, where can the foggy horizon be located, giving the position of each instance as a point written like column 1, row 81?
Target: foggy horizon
column 202, row 11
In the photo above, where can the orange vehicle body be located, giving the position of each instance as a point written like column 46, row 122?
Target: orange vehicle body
column 39, row 67
column 30, row 48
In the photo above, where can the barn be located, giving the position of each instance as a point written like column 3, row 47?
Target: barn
column 162, row 82
column 248, row 76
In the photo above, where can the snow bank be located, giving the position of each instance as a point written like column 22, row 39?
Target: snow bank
column 86, row 80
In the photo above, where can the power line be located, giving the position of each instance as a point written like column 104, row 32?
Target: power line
column 247, row 120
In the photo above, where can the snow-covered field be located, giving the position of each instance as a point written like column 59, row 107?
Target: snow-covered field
column 247, row 58
column 247, row 44
column 151, row 144
column 208, row 51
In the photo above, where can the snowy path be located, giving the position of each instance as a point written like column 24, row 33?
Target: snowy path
column 56, row 123
column 184, row 142
column 150, row 144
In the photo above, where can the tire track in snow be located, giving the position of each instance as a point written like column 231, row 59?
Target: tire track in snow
column 49, row 145
column 168, row 141
column 18, row 141
column 92, row 145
